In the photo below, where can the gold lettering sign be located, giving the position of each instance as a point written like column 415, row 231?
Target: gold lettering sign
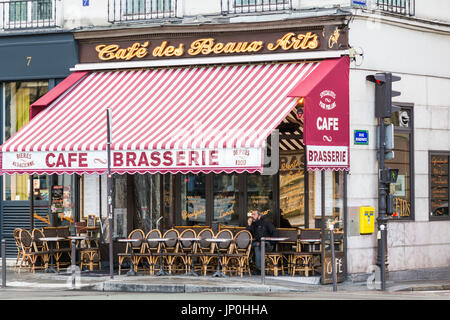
column 113, row 51
column 209, row 46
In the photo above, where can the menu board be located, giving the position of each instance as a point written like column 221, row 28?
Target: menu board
column 439, row 184
column 57, row 199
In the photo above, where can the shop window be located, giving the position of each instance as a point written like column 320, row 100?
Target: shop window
column 63, row 203
column 403, row 159
column 193, row 199
column 292, row 190
column 334, row 197
column 147, row 191
column 226, row 199
column 260, row 195
column 439, row 185
column 18, row 96
column 119, row 196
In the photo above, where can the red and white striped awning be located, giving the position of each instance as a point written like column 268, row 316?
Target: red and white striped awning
column 200, row 119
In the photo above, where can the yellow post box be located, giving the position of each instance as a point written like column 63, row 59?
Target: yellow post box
column 366, row 220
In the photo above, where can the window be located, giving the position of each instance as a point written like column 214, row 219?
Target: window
column 148, row 6
column 18, row 96
column 64, row 199
column 23, row 11
column 403, row 159
column 193, row 199
column 439, row 185
column 260, row 195
column 226, row 199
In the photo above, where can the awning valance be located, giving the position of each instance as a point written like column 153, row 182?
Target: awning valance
column 199, row 119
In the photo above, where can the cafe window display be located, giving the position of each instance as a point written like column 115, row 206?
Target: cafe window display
column 16, row 113
column 403, row 144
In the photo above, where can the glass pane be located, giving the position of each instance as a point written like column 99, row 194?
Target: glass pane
column 193, row 201
column 402, row 189
column 17, row 11
column 439, row 192
column 147, row 190
column 135, row 6
column 119, row 195
column 226, row 199
column 42, row 9
column 63, row 199
column 169, row 216
column 259, row 195
column 292, row 185
column 18, row 96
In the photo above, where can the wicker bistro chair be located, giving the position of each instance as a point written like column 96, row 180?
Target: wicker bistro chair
column 205, row 251
column 288, row 247
column 137, row 248
column 169, row 250
column 19, row 258
column 40, row 248
column 29, row 254
column 306, row 257
column 238, row 260
column 225, row 248
column 80, row 228
column 233, row 229
column 151, row 250
column 186, row 250
column 90, row 255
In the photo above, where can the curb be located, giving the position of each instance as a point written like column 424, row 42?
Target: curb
column 183, row 288
column 436, row 287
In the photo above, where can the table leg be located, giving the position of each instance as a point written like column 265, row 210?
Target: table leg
column 52, row 268
column 161, row 271
column 192, row 272
column 219, row 272
column 132, row 272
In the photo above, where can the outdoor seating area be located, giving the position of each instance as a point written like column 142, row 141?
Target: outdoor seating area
column 50, row 248
column 198, row 251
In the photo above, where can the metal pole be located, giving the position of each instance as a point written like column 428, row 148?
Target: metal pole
column 3, row 263
column 31, row 202
column 73, row 262
column 333, row 257
column 263, row 264
column 382, row 210
column 110, row 211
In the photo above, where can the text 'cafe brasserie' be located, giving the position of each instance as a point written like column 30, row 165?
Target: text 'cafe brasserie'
column 194, row 145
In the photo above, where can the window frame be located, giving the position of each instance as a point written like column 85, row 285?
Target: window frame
column 430, row 154
column 410, row 131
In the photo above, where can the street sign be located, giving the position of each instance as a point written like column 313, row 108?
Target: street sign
column 360, row 2
column 361, row 137
column 327, row 276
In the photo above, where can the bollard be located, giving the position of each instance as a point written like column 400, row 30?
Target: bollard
column 263, row 260
column 333, row 258
column 3, row 263
column 73, row 262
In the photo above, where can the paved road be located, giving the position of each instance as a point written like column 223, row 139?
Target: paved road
column 34, row 293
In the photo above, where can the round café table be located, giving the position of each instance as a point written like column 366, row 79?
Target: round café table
column 131, row 272
column 52, row 241
column 219, row 272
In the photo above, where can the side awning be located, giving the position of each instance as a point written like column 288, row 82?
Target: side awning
column 199, row 119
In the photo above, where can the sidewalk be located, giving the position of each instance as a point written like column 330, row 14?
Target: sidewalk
column 189, row 284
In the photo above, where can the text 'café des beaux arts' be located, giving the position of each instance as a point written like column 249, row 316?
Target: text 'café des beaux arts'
column 206, row 125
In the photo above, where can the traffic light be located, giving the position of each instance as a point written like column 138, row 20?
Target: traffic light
column 384, row 93
column 388, row 175
column 389, row 204
column 388, row 141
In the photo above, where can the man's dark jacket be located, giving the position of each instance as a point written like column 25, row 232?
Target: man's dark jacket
column 262, row 228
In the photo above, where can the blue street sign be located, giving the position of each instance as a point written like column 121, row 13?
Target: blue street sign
column 361, row 137
column 85, row 3
column 360, row 2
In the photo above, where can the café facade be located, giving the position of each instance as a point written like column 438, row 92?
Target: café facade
column 207, row 124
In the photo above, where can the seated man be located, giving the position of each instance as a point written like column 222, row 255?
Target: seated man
column 259, row 227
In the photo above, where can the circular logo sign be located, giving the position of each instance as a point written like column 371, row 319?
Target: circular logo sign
column 327, row 100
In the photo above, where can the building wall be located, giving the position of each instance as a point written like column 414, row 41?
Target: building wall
column 425, row 73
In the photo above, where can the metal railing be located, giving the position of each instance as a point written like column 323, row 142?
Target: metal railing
column 28, row 14
column 252, row 6
column 120, row 11
column 403, row 7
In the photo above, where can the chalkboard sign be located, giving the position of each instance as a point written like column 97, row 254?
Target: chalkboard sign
column 439, row 185
column 91, row 221
column 57, row 199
